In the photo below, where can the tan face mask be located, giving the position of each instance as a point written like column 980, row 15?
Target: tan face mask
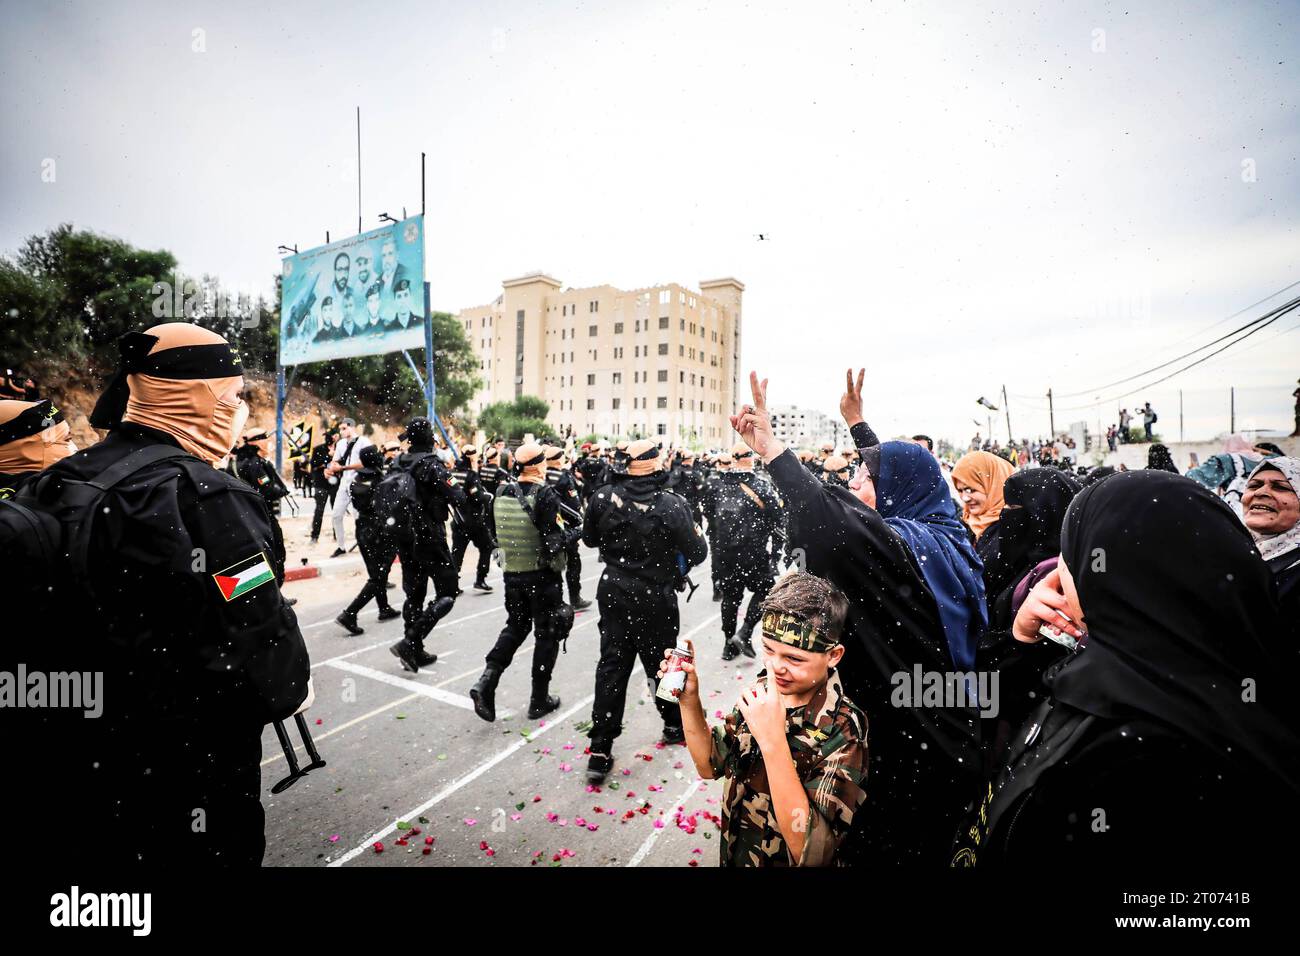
column 190, row 411
column 37, row 452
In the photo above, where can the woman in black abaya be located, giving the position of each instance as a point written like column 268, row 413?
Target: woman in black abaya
column 1169, row 737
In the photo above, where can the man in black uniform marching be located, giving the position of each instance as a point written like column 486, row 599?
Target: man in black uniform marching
column 561, row 479
column 533, row 545
column 171, row 596
column 472, row 526
column 323, row 486
column 376, row 541
column 417, row 496
column 642, row 530
column 252, row 467
column 743, row 515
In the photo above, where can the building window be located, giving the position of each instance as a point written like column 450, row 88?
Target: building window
column 681, row 403
column 665, row 296
column 663, row 348
column 681, row 351
column 663, row 321
column 683, row 325
column 663, row 375
column 591, row 404
column 618, row 328
column 591, row 379
column 519, row 353
column 662, row 401
column 564, row 333
column 618, row 378
column 663, row 429
column 591, row 329
column 618, row 352
column 617, row 402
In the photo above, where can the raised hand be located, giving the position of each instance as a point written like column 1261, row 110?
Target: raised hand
column 851, row 400
column 754, row 424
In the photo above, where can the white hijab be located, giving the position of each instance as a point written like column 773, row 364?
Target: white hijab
column 1273, row 545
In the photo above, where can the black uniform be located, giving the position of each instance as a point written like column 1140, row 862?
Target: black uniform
column 422, row 543
column 256, row 471
column 375, row 540
column 640, row 529
column 688, row 481
column 473, row 524
column 534, row 602
column 592, row 472
column 322, row 489
column 744, row 514
column 192, row 670
column 571, row 514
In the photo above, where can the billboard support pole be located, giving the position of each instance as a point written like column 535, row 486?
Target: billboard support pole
column 430, row 386
column 280, row 391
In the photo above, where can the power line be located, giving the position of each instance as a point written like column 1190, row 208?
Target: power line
column 1277, row 314
column 1228, row 335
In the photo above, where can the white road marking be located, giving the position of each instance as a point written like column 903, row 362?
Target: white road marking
column 437, row 693
column 374, row 713
column 649, row 843
column 463, row 781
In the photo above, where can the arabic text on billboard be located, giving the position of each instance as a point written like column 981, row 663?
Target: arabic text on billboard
column 359, row 296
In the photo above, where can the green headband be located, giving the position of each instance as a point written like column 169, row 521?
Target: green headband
column 788, row 629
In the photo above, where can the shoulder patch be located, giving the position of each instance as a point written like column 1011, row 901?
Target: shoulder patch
column 243, row 576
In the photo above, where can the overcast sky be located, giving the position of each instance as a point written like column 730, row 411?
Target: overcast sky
column 1048, row 195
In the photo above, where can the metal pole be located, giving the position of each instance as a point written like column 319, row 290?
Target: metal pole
column 430, row 390
column 1007, row 406
column 1051, row 415
column 1180, row 415
column 358, row 170
column 1232, row 410
column 421, row 184
column 279, row 417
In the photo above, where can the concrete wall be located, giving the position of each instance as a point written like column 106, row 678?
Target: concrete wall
column 1135, row 456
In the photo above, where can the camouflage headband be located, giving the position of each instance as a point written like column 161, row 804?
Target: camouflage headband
column 795, row 631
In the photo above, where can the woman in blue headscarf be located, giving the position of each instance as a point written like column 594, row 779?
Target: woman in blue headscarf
column 892, row 542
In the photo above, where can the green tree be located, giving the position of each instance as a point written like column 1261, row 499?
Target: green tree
column 514, row 419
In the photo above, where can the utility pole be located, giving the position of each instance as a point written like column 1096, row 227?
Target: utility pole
column 358, row 170
column 1007, row 406
column 1051, row 415
column 1180, row 415
column 1232, row 410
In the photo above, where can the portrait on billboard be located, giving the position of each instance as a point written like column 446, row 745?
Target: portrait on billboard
column 363, row 295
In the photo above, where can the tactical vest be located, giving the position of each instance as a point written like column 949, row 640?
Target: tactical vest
column 519, row 540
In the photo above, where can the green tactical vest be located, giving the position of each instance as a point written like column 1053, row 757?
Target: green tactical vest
column 521, row 545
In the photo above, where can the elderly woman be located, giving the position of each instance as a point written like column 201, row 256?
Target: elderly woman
column 1169, row 734
column 1271, row 510
column 892, row 543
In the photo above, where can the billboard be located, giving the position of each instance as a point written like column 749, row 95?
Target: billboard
column 363, row 295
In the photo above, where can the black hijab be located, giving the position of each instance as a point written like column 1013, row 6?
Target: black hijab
column 1159, row 459
column 1036, row 502
column 1180, row 613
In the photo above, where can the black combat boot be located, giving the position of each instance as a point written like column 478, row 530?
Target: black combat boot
column 578, row 603
column 674, row 735
column 484, row 693
column 730, row 648
column 348, row 621
column 746, row 638
column 481, row 585
column 601, row 761
column 541, row 703
column 404, row 651
column 388, row 613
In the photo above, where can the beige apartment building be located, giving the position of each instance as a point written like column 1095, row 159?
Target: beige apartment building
column 661, row 362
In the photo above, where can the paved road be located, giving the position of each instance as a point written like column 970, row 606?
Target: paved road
column 402, row 747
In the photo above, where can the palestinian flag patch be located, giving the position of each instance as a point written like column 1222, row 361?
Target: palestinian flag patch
column 243, row 576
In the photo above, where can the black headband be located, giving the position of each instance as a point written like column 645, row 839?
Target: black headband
column 526, row 464
column 31, row 421
column 184, row 362
column 646, row 455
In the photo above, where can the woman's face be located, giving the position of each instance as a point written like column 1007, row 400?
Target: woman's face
column 972, row 498
column 1269, row 504
column 863, row 486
